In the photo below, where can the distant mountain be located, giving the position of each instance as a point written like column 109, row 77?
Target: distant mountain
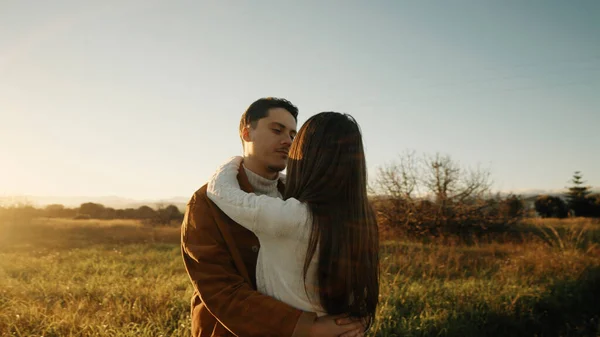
column 535, row 192
column 76, row 201
column 180, row 202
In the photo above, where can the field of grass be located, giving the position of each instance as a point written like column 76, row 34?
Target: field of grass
column 62, row 277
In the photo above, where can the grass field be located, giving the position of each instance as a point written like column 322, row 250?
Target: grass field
column 62, row 277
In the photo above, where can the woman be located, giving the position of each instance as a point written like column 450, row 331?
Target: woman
column 319, row 246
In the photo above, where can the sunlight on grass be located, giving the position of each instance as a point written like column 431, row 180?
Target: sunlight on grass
column 61, row 277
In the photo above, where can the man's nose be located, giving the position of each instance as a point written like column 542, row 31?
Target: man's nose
column 287, row 140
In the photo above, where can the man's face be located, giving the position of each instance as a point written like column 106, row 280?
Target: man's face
column 269, row 143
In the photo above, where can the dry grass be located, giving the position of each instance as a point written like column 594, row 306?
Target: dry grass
column 592, row 223
column 63, row 277
column 547, row 285
column 68, row 233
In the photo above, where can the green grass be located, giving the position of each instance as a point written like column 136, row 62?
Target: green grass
column 93, row 279
column 495, row 290
column 119, row 278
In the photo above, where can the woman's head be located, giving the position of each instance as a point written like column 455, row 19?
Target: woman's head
column 327, row 158
column 327, row 170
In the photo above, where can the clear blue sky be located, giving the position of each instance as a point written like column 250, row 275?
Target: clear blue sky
column 142, row 99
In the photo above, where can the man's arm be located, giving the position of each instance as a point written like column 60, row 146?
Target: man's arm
column 226, row 294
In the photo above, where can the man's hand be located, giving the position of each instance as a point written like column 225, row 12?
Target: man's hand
column 337, row 326
column 345, row 319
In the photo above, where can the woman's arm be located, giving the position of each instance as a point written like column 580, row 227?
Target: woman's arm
column 260, row 214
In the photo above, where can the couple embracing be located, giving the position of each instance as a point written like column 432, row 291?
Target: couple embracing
column 285, row 255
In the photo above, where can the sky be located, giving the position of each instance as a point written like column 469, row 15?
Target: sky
column 142, row 99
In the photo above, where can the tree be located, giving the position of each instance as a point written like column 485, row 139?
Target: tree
column 434, row 195
column 173, row 213
column 166, row 215
column 127, row 213
column 145, row 212
column 548, row 206
column 397, row 184
column 449, row 183
column 94, row 210
column 577, row 196
column 54, row 210
column 109, row 213
column 594, row 200
column 513, row 206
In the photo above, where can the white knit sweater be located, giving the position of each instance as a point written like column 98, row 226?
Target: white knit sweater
column 261, row 185
column 283, row 230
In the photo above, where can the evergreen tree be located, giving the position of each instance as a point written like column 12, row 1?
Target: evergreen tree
column 577, row 196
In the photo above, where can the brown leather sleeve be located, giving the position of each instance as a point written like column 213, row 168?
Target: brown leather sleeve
column 304, row 324
column 235, row 304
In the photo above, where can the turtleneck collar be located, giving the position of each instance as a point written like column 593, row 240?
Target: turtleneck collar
column 262, row 185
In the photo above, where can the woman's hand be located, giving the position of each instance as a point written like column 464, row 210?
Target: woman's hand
column 337, row 326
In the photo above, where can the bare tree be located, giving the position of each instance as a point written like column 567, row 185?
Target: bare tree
column 399, row 179
column 397, row 185
column 434, row 194
column 446, row 180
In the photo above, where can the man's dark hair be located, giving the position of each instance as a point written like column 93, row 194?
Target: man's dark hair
column 260, row 109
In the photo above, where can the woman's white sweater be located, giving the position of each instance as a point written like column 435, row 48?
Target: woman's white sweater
column 283, row 230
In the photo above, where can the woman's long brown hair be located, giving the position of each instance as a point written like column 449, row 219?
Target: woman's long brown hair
column 327, row 171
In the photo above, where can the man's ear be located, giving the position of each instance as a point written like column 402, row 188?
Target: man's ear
column 246, row 133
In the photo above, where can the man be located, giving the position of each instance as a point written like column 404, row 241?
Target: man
column 220, row 255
